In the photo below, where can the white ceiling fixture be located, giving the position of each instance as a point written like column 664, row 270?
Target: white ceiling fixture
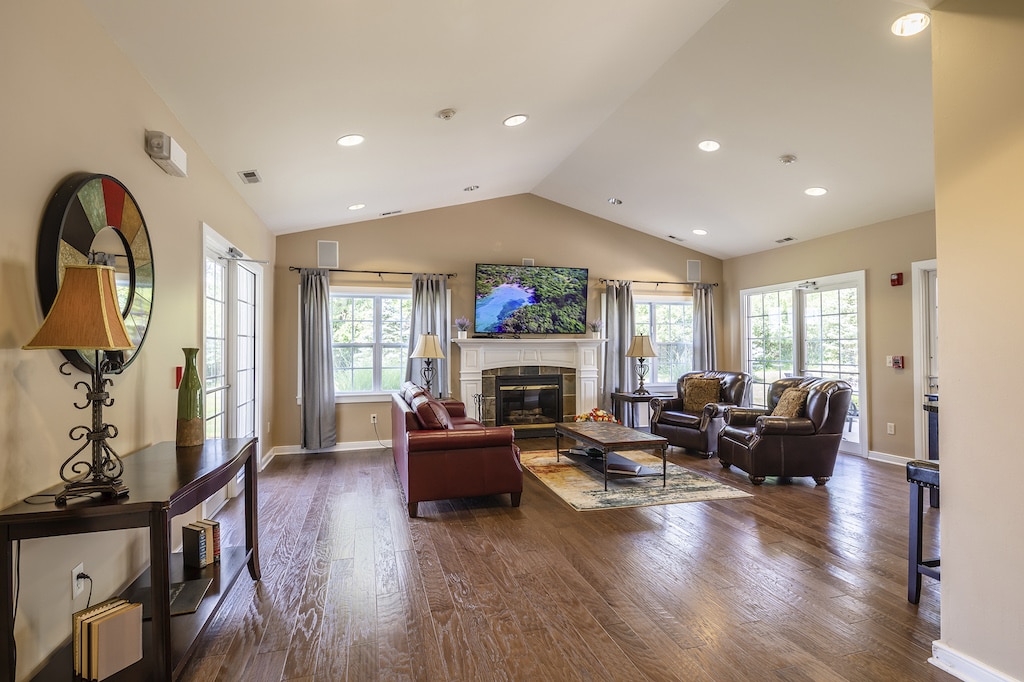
column 911, row 24
column 614, row 202
column 471, row 188
column 446, row 114
column 815, row 191
column 356, row 207
column 350, row 140
column 515, row 120
column 709, row 146
column 700, row 232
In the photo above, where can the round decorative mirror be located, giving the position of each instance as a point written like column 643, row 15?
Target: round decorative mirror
column 93, row 219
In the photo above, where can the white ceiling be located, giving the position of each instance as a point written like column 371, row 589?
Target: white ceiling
column 618, row 96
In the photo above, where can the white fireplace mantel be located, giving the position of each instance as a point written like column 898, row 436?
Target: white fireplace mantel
column 584, row 355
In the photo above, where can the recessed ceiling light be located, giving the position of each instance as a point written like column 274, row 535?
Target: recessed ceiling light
column 350, row 140
column 356, row 207
column 614, row 202
column 516, row 120
column 911, row 24
column 815, row 191
column 471, row 188
column 709, row 146
column 700, row 231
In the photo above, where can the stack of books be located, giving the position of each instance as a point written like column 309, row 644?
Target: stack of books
column 106, row 638
column 200, row 543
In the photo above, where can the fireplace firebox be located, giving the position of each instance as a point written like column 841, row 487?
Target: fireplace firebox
column 530, row 404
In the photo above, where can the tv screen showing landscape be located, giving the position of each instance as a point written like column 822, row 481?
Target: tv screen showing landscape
column 520, row 299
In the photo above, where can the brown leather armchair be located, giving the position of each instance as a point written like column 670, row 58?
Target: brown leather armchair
column 440, row 453
column 804, row 445
column 695, row 425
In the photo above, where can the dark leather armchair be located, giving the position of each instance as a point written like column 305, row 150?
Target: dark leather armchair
column 697, row 428
column 804, row 445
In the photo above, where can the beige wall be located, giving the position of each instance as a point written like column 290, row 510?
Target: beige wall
column 71, row 102
column 454, row 240
column 978, row 47
column 879, row 250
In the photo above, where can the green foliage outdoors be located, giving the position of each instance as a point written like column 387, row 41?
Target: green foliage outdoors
column 561, row 295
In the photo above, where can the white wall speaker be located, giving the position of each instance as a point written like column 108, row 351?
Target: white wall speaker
column 326, row 254
column 693, row 271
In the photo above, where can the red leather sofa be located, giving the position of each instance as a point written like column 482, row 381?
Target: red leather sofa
column 440, row 453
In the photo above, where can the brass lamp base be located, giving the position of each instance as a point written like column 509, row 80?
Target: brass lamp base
column 109, row 488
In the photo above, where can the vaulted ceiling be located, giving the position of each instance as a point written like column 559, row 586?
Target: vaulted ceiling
column 618, row 97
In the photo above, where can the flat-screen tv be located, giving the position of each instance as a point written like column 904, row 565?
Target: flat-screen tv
column 521, row 299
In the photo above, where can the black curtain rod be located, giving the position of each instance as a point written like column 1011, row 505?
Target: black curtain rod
column 645, row 281
column 376, row 272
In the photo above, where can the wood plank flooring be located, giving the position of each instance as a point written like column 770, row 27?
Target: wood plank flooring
column 795, row 583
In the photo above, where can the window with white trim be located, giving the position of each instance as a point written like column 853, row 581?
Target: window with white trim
column 370, row 340
column 669, row 323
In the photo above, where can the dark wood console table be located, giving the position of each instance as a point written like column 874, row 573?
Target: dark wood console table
column 163, row 482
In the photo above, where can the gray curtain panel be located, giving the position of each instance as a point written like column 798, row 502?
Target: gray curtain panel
column 619, row 376
column 429, row 316
column 319, row 427
column 704, row 356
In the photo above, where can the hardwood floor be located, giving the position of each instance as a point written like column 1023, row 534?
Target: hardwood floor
column 795, row 583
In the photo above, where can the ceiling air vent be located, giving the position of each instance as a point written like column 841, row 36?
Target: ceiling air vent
column 785, row 240
column 250, row 177
column 387, row 213
column 675, row 238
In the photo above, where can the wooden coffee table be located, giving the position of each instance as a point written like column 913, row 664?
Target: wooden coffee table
column 609, row 436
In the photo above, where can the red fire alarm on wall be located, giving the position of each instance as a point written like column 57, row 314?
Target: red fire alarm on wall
column 896, row 279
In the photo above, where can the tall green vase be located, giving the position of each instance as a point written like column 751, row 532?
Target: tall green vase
column 190, row 403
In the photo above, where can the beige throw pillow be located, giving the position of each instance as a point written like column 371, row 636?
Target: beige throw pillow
column 792, row 403
column 699, row 391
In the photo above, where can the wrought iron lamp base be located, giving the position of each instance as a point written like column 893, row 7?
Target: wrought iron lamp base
column 108, row 488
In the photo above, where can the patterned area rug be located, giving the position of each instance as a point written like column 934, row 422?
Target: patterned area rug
column 583, row 487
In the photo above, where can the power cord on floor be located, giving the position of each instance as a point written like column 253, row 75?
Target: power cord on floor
column 378, row 436
column 86, row 576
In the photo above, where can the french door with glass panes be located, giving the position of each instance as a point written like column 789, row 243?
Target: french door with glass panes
column 231, row 370
column 810, row 328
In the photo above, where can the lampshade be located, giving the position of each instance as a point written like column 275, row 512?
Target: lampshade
column 641, row 348
column 428, row 346
column 85, row 315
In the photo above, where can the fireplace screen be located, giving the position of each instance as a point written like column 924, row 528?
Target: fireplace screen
column 529, row 402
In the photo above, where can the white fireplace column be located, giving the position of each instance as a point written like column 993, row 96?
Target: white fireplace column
column 584, row 355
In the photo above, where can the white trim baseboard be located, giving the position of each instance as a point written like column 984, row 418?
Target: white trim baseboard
column 887, row 458
column 340, row 447
column 962, row 666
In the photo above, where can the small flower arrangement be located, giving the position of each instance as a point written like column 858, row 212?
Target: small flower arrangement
column 462, row 324
column 596, row 415
column 595, row 325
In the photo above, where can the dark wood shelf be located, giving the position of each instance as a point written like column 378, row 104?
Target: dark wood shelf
column 163, row 482
column 185, row 629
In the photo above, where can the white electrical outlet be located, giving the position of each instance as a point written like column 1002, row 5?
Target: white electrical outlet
column 77, row 585
column 890, row 428
column 373, row 418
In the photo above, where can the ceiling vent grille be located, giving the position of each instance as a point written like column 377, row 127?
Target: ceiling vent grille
column 675, row 238
column 250, row 177
column 785, row 240
column 387, row 213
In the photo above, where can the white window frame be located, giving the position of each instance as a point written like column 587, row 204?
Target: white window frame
column 217, row 246
column 376, row 293
column 851, row 280
column 649, row 299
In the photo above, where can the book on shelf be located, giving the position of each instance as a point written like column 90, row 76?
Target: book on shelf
column 115, row 640
column 77, row 629
column 212, row 537
column 194, row 551
column 624, row 468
